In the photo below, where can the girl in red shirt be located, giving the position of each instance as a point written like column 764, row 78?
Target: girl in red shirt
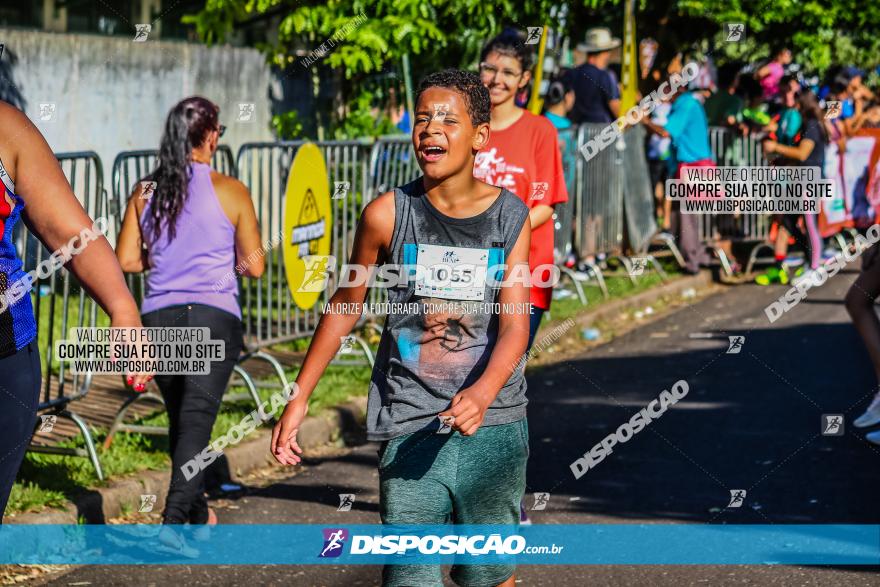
column 522, row 156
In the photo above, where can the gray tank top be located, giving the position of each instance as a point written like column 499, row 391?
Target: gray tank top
column 438, row 336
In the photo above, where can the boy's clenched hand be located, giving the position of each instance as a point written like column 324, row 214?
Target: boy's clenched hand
column 468, row 407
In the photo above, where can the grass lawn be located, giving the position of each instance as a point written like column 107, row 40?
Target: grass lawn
column 49, row 480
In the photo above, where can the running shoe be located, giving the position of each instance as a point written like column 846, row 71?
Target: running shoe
column 772, row 275
column 873, row 437
column 871, row 415
column 784, row 278
column 793, row 261
column 803, row 275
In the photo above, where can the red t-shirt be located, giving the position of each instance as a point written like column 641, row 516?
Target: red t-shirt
column 525, row 159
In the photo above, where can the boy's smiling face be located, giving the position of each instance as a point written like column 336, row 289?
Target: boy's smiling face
column 444, row 138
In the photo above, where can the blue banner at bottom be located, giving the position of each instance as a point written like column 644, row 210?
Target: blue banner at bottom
column 639, row 544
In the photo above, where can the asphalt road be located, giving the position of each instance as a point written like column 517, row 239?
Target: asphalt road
column 751, row 421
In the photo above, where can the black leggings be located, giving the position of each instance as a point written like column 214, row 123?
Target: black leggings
column 19, row 395
column 192, row 403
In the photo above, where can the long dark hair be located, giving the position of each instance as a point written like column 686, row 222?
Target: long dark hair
column 808, row 105
column 510, row 43
column 186, row 128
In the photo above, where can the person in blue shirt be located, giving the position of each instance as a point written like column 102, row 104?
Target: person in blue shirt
column 687, row 128
column 558, row 103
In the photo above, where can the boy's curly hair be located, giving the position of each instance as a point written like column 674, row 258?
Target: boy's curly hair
column 467, row 84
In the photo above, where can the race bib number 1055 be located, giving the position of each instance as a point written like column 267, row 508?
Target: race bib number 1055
column 453, row 273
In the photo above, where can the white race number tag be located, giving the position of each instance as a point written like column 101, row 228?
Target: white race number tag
column 452, row 273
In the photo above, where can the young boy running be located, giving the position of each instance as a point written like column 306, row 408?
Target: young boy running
column 450, row 355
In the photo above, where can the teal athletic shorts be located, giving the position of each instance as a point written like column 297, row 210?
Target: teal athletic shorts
column 429, row 478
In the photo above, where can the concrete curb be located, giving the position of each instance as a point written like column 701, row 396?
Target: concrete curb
column 99, row 505
column 674, row 287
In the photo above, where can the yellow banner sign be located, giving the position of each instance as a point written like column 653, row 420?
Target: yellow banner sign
column 308, row 221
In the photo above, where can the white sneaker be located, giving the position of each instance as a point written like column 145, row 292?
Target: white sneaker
column 807, row 275
column 871, row 415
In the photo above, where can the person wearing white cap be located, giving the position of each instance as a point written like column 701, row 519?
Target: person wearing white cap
column 597, row 95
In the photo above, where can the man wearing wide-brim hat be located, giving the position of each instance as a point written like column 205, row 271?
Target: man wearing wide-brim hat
column 597, row 95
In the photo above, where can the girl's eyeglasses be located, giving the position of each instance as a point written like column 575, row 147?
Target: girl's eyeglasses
column 220, row 130
column 488, row 70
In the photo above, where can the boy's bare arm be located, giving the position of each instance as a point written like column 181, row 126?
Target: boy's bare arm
column 371, row 243
column 469, row 406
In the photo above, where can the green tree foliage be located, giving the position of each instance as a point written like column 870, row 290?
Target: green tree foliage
column 449, row 33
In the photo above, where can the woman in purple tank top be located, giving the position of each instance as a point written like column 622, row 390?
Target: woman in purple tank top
column 186, row 225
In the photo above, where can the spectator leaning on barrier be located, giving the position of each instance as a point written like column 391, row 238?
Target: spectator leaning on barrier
column 33, row 187
column 809, row 152
column 686, row 126
column 597, row 94
column 784, row 127
column 188, row 234
column 522, row 155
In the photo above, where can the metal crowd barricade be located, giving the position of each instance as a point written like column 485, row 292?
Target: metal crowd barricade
column 129, row 167
column 268, row 312
column 392, row 163
column 60, row 304
column 734, row 150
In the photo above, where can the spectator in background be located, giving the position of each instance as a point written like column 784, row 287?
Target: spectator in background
column 658, row 153
column 854, row 106
column 188, row 235
column 784, row 127
column 558, row 103
column 522, row 154
column 871, row 116
column 809, row 152
column 785, row 119
column 724, row 107
column 398, row 113
column 754, row 112
column 771, row 74
column 597, row 95
column 686, row 126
